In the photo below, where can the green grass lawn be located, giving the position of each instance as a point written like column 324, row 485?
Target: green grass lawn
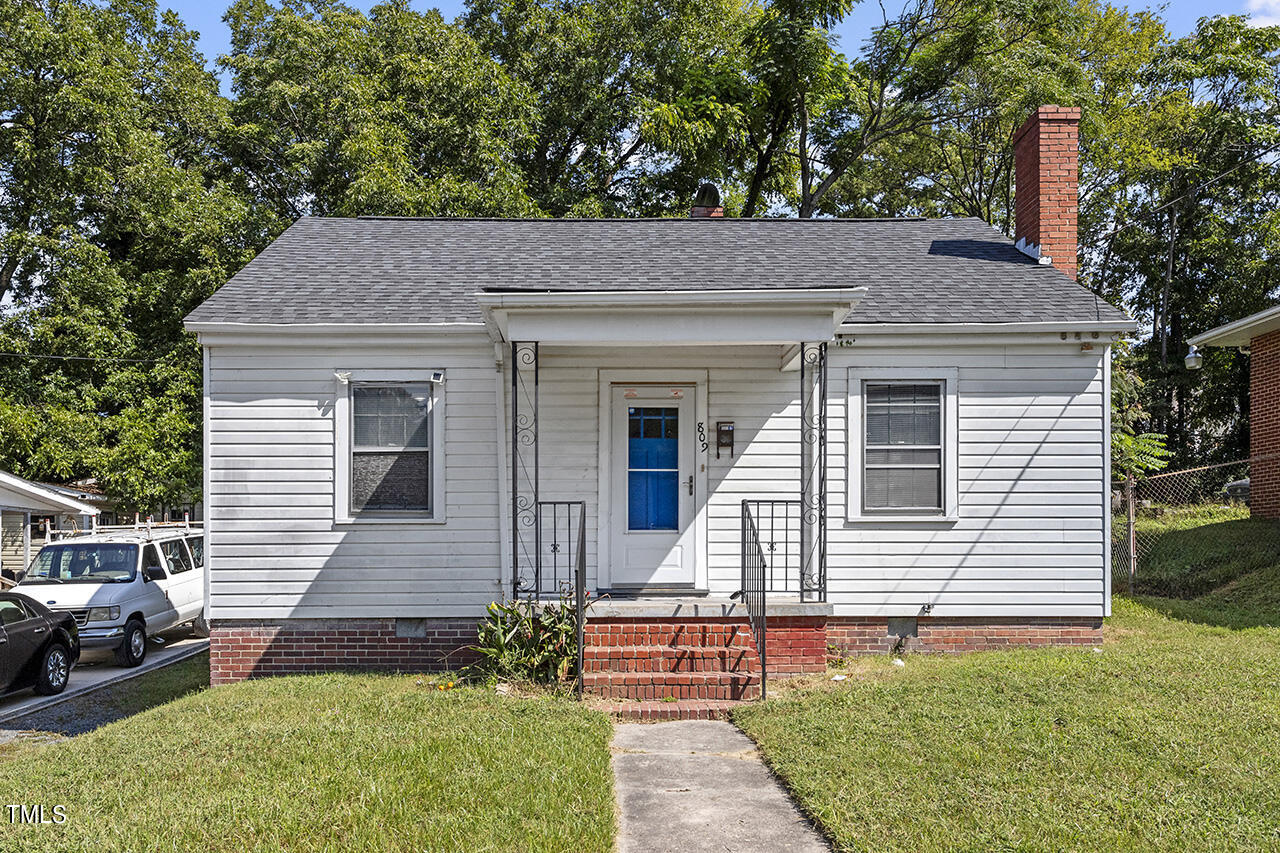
column 1166, row 740
column 1207, row 563
column 332, row 763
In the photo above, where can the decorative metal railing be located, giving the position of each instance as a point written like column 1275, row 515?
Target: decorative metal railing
column 755, row 585
column 560, row 561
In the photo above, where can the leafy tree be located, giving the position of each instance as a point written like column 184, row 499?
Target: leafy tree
column 1132, row 452
column 116, row 218
column 634, row 102
column 393, row 113
column 1196, row 242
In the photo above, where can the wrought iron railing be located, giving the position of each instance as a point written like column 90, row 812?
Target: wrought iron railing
column 560, row 559
column 777, row 526
column 754, row 589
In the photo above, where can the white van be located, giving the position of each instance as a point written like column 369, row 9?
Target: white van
column 123, row 583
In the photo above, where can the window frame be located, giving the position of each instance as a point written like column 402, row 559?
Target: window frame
column 859, row 378
column 344, row 446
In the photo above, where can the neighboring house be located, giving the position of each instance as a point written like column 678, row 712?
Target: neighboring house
column 401, row 414
column 1259, row 335
column 21, row 502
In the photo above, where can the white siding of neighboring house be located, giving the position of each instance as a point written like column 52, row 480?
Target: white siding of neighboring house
column 1030, row 539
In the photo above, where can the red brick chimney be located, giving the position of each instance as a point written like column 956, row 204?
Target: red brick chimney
column 1046, row 158
column 706, row 203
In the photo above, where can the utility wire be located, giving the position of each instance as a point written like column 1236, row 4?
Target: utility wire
column 78, row 357
column 1198, row 187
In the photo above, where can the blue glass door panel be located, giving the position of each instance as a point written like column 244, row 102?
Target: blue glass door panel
column 653, row 474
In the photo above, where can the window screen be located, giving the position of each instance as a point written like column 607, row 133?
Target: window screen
column 902, row 448
column 391, row 448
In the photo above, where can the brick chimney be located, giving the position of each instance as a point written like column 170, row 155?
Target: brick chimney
column 1046, row 158
column 706, row 203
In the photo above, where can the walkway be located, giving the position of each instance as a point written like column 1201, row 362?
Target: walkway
column 699, row 785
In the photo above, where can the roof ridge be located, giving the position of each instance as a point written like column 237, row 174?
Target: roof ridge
column 699, row 219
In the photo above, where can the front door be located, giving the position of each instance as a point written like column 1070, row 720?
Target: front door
column 653, row 486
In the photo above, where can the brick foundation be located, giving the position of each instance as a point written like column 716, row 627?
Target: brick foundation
column 692, row 658
column 1264, row 426
column 240, row 649
column 858, row 636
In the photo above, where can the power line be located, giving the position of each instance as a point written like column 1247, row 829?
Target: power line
column 1198, row 187
column 79, row 357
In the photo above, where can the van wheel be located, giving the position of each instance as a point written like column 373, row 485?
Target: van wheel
column 200, row 626
column 55, row 669
column 133, row 650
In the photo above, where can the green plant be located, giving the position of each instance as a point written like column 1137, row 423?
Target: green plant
column 525, row 639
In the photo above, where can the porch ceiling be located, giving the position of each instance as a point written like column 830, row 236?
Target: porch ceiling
column 670, row 317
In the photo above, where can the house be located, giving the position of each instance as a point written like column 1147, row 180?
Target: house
column 897, row 430
column 1259, row 336
column 25, row 505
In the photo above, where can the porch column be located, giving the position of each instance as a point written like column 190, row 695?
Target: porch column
column 813, row 472
column 524, row 468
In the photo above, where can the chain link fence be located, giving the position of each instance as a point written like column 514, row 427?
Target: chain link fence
column 1184, row 534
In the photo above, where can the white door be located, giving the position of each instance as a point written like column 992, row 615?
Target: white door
column 652, row 461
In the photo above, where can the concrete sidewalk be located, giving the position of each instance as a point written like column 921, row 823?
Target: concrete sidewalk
column 699, row 785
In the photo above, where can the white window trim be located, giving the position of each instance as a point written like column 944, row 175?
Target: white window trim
column 344, row 380
column 949, row 378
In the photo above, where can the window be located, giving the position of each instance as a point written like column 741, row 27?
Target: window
column 12, row 612
column 902, row 437
column 175, row 557
column 653, row 468
column 391, row 448
column 68, row 562
column 388, row 447
column 902, row 450
column 196, row 545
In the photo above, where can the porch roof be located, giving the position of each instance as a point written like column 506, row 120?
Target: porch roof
column 428, row 271
column 669, row 317
column 24, row 495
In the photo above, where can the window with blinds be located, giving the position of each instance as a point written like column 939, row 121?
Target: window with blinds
column 902, row 447
column 391, row 448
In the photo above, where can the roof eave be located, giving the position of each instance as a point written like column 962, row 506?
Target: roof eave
column 1239, row 333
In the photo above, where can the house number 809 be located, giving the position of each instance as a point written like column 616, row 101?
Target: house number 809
column 702, row 436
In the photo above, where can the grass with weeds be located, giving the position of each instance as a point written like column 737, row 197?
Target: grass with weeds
column 326, row 763
column 1163, row 741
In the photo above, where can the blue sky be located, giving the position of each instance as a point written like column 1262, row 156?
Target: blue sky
column 1181, row 15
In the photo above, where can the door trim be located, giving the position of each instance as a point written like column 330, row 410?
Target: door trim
column 604, row 445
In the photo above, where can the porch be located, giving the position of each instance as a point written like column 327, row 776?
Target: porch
column 668, row 470
column 670, row 444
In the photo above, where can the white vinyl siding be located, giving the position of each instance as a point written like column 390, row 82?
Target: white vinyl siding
column 1026, row 538
column 274, row 548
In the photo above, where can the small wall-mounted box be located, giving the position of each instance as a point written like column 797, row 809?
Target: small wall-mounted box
column 724, row 437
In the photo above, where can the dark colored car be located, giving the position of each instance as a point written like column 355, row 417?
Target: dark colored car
column 1237, row 490
column 38, row 647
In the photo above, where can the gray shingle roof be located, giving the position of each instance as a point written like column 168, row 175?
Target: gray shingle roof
column 374, row 270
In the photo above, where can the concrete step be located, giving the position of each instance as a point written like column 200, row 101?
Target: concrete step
column 681, row 709
column 670, row 659
column 672, row 685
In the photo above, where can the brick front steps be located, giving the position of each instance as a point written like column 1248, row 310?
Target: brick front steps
column 708, row 686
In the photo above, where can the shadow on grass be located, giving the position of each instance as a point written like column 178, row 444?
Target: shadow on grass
column 1217, row 613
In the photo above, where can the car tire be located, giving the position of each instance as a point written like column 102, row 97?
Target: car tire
column 55, row 670
column 200, row 626
column 133, row 649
